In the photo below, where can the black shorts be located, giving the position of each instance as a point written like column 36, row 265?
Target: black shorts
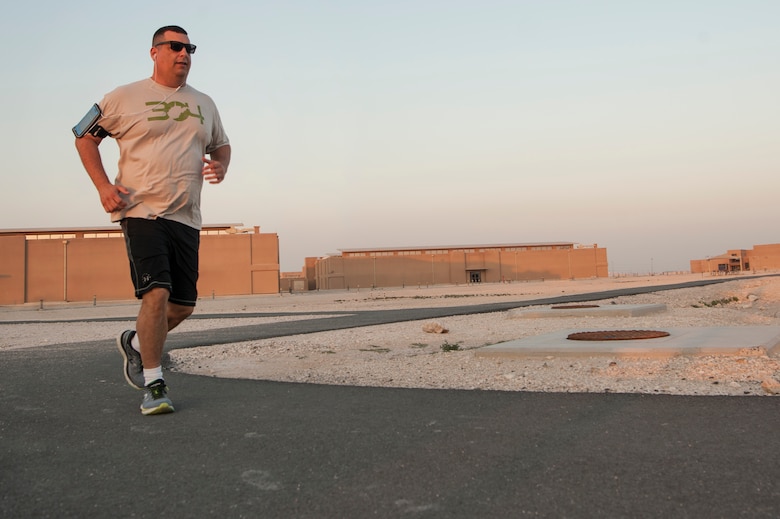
column 163, row 253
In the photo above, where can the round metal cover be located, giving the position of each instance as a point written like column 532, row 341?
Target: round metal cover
column 617, row 335
column 570, row 307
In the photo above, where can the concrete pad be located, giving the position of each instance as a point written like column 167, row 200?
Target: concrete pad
column 600, row 311
column 720, row 340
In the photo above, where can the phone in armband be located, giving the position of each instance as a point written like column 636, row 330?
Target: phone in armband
column 88, row 122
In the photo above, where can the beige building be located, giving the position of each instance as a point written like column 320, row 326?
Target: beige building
column 760, row 258
column 91, row 264
column 86, row 264
column 398, row 267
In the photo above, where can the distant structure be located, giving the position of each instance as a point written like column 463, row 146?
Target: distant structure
column 90, row 264
column 86, row 264
column 455, row 264
column 760, row 258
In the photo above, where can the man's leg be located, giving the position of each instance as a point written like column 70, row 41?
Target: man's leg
column 152, row 326
column 155, row 319
column 167, row 255
column 130, row 344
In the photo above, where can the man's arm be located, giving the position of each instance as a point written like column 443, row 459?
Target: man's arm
column 110, row 194
column 215, row 167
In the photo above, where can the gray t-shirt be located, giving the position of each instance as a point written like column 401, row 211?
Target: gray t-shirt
column 163, row 134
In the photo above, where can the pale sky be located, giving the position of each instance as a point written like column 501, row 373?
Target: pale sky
column 648, row 127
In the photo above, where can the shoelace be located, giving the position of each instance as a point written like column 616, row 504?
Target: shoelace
column 157, row 390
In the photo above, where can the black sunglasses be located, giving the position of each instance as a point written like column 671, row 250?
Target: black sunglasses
column 177, row 46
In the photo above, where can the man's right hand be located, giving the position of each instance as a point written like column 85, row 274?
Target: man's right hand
column 111, row 197
column 110, row 194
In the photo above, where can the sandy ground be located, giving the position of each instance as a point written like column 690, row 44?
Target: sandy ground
column 406, row 355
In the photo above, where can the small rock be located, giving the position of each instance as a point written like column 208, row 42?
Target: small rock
column 754, row 351
column 434, row 328
column 771, row 386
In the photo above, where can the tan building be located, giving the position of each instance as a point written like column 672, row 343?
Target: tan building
column 397, row 267
column 301, row 281
column 91, row 264
column 87, row 264
column 760, row 258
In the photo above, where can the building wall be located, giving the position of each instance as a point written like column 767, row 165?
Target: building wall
column 265, row 263
column 765, row 257
column 301, row 281
column 699, row 266
column 79, row 268
column 12, row 260
column 309, row 273
column 488, row 265
column 220, row 255
column 72, row 269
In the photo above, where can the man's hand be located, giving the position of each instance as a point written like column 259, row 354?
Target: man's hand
column 110, row 197
column 213, row 171
column 215, row 168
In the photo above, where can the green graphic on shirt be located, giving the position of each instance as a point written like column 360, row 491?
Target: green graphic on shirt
column 168, row 112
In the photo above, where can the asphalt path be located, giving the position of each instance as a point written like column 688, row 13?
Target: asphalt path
column 74, row 444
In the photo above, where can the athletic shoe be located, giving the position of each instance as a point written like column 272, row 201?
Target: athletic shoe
column 156, row 399
column 133, row 368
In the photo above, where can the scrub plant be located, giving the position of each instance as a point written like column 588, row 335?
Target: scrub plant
column 447, row 346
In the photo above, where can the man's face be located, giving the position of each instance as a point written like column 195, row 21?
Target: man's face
column 169, row 63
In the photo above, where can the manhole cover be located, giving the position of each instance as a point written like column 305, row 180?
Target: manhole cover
column 616, row 335
column 569, row 307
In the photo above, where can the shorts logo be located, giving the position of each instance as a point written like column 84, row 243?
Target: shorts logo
column 146, row 279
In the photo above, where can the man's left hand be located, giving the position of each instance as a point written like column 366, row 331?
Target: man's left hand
column 213, row 171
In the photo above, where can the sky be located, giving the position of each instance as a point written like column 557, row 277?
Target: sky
column 648, row 127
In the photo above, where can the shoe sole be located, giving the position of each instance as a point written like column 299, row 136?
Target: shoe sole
column 126, row 362
column 160, row 409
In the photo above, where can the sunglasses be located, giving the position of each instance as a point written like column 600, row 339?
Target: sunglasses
column 177, row 46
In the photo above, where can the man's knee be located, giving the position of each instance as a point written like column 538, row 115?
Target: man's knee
column 178, row 313
column 156, row 296
column 183, row 311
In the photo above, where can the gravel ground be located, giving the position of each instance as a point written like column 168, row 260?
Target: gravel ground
column 405, row 355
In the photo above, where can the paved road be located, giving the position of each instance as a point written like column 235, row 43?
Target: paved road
column 73, row 444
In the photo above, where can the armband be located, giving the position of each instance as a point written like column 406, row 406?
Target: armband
column 99, row 132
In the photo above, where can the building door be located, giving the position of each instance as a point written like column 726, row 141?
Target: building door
column 475, row 277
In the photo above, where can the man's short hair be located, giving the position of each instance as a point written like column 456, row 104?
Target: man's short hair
column 158, row 34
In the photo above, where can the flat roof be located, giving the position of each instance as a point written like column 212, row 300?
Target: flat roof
column 483, row 246
column 104, row 228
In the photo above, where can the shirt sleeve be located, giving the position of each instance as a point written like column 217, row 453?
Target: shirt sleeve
column 218, row 136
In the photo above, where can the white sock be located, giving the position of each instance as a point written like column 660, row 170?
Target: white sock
column 150, row 375
column 135, row 343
